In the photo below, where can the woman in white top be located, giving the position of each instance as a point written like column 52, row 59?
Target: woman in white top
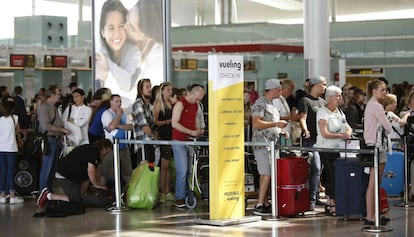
column 390, row 105
column 288, row 86
column 77, row 118
column 332, row 128
column 9, row 127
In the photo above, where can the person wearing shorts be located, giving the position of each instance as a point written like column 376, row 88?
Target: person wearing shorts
column 266, row 127
column 375, row 125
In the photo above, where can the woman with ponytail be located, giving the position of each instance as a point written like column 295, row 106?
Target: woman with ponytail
column 375, row 122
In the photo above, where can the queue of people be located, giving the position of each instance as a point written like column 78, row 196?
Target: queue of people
column 91, row 126
column 325, row 123
column 323, row 118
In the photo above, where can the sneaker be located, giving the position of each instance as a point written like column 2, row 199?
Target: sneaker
column 268, row 208
column 261, row 211
column 320, row 203
column 41, row 200
column 169, row 197
column 16, row 200
column 179, row 203
column 3, row 200
column 383, row 221
column 162, row 198
column 312, row 206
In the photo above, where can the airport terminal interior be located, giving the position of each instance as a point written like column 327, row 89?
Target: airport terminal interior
column 166, row 220
column 54, row 42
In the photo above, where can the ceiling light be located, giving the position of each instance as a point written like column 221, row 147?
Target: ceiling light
column 288, row 5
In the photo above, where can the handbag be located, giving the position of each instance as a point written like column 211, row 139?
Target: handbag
column 67, row 147
column 75, row 135
column 41, row 143
column 97, row 197
column 143, row 190
column 349, row 144
column 19, row 140
column 366, row 160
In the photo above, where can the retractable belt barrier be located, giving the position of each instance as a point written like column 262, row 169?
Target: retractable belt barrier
column 118, row 204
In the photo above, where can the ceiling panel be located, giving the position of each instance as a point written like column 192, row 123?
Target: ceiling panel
column 184, row 11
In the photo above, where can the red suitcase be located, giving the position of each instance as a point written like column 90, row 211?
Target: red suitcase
column 292, row 188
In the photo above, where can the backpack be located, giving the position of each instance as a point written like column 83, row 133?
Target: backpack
column 58, row 208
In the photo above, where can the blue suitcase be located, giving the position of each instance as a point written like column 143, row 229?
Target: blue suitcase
column 350, row 187
column 393, row 177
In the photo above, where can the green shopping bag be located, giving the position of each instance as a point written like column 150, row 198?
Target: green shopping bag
column 143, row 190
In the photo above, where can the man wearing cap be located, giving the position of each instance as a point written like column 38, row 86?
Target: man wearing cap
column 266, row 127
column 308, row 107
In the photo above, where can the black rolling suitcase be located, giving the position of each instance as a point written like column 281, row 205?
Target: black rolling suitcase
column 350, row 187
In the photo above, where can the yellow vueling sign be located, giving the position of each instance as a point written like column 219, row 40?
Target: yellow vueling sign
column 226, row 136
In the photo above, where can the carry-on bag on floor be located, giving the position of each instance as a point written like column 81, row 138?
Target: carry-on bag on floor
column 142, row 192
column 384, row 205
column 58, row 208
column 292, row 188
column 393, row 177
column 350, row 188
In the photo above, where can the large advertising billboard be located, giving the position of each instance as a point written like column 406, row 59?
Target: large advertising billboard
column 127, row 45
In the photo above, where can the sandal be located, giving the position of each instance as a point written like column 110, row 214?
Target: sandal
column 332, row 211
column 327, row 209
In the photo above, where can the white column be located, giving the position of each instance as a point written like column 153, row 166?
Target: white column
column 33, row 7
column 342, row 72
column 316, row 38
column 333, row 10
column 223, row 12
column 80, row 12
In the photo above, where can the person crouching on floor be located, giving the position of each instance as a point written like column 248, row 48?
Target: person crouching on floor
column 75, row 172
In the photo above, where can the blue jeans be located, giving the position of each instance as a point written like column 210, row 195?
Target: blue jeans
column 7, row 171
column 183, row 163
column 47, row 172
column 315, row 174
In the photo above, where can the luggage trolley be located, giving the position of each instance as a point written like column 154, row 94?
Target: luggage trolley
column 199, row 171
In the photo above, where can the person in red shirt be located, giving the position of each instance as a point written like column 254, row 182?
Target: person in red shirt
column 184, row 124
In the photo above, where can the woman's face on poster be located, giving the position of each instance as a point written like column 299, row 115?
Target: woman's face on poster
column 114, row 31
column 133, row 31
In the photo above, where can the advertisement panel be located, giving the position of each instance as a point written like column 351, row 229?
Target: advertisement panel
column 127, row 45
column 226, row 136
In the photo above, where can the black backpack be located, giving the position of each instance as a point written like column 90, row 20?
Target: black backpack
column 57, row 208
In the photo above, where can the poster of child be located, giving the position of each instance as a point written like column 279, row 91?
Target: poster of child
column 128, row 45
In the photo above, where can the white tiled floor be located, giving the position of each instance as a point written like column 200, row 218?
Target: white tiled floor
column 166, row 220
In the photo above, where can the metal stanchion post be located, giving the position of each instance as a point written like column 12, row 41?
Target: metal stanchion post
column 406, row 185
column 118, row 204
column 273, row 186
column 377, row 228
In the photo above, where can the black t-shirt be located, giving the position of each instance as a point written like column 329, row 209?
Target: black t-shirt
column 310, row 105
column 74, row 166
column 165, row 131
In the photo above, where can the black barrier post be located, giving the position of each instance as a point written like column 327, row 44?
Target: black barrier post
column 406, row 183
